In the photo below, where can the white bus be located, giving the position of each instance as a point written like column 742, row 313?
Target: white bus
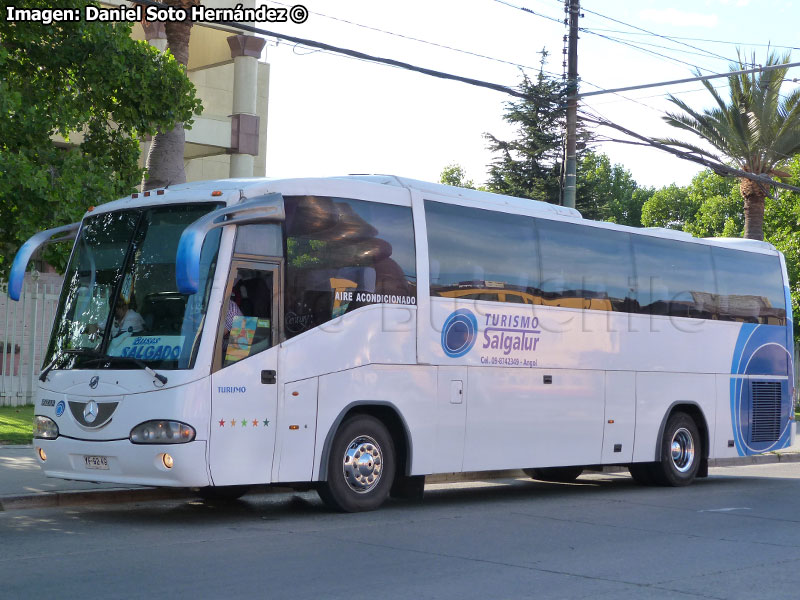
column 358, row 333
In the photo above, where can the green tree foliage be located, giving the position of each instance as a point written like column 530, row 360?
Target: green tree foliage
column 608, row 192
column 88, row 83
column 668, row 207
column 529, row 166
column 782, row 230
column 710, row 206
column 454, row 174
column 605, row 192
column 759, row 130
column 719, row 206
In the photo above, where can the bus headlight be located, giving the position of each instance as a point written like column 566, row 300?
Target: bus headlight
column 162, row 432
column 44, row 428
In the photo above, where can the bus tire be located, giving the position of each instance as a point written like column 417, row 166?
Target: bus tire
column 681, row 452
column 361, row 466
column 556, row 474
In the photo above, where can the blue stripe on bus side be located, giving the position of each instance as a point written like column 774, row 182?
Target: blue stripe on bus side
column 753, row 339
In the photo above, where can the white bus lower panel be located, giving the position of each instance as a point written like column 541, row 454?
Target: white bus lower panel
column 123, row 462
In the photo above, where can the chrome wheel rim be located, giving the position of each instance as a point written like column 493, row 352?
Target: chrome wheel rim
column 682, row 450
column 363, row 464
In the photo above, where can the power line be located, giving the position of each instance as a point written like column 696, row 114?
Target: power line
column 501, row 88
column 533, row 12
column 360, row 55
column 414, row 39
column 717, row 167
column 622, row 98
column 602, row 16
column 664, row 56
column 671, row 48
column 698, row 78
column 694, row 91
column 711, row 41
column 618, row 41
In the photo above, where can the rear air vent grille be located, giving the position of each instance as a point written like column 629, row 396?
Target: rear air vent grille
column 766, row 421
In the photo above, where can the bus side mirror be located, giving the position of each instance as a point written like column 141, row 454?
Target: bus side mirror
column 262, row 209
column 20, row 264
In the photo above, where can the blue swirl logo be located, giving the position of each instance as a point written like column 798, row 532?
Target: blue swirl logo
column 60, row 408
column 459, row 333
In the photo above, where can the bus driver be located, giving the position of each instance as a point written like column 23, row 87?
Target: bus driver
column 126, row 320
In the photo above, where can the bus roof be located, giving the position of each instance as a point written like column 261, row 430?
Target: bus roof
column 231, row 189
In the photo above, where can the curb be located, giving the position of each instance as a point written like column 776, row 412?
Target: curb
column 113, row 496
column 81, row 497
column 148, row 494
column 758, row 459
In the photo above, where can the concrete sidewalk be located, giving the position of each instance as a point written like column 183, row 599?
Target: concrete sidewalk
column 23, row 484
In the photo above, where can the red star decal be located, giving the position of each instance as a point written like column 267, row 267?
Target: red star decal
column 255, row 422
column 222, row 422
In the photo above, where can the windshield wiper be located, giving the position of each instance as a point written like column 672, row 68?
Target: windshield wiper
column 47, row 369
column 97, row 356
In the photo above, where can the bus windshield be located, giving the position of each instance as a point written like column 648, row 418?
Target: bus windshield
column 120, row 297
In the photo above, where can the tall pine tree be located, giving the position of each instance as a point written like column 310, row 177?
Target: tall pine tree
column 530, row 165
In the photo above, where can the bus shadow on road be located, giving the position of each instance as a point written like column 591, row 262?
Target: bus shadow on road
column 288, row 506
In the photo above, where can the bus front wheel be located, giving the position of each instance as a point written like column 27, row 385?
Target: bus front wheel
column 361, row 466
column 681, row 452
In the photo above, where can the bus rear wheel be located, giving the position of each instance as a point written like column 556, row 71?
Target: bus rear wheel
column 681, row 452
column 361, row 466
column 556, row 474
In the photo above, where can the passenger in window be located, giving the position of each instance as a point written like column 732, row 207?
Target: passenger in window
column 232, row 312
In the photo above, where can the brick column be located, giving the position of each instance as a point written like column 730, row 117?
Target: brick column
column 245, row 50
column 155, row 34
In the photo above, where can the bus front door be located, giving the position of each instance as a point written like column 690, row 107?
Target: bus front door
column 244, row 385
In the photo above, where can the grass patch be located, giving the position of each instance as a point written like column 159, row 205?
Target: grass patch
column 16, row 424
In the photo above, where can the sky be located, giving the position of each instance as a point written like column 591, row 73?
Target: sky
column 333, row 115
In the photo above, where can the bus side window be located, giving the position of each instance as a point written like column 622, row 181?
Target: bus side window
column 749, row 287
column 585, row 267
column 479, row 254
column 675, row 278
column 342, row 254
column 247, row 327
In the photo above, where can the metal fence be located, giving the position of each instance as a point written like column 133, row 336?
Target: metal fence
column 24, row 333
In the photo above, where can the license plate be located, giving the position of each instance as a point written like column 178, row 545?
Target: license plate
column 96, row 462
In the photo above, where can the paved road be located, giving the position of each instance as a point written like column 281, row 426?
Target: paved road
column 734, row 535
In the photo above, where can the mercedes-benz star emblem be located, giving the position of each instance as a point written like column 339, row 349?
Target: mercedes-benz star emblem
column 90, row 412
column 94, row 381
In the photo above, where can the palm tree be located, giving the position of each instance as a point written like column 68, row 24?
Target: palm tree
column 165, row 159
column 758, row 131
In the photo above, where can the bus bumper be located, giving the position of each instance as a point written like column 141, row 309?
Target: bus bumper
column 125, row 463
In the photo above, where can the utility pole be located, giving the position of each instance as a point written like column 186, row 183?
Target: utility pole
column 572, row 104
